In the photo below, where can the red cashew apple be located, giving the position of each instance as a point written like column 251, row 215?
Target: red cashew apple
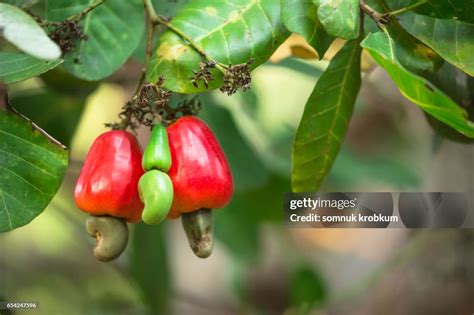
column 199, row 170
column 108, row 183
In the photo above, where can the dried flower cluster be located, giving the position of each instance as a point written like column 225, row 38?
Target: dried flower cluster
column 151, row 106
column 141, row 109
column 237, row 77
column 66, row 34
column 203, row 74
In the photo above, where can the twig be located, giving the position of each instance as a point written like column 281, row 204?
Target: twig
column 381, row 19
column 406, row 9
column 150, row 31
column 361, row 25
column 86, row 11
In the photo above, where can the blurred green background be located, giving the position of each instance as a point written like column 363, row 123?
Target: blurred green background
column 258, row 266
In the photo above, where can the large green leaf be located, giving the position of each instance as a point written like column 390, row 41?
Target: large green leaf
column 21, row 30
column 417, row 89
column 15, row 67
column 149, row 266
column 412, row 53
column 452, row 40
column 340, row 17
column 301, row 17
column 32, row 168
column 456, row 84
column 169, row 8
column 114, row 30
column 325, row 119
column 229, row 31
column 461, row 10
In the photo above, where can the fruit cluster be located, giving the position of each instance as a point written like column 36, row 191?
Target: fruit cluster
column 183, row 172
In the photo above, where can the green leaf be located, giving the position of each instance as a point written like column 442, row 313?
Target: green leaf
column 32, row 168
column 15, row 67
column 114, row 30
column 340, row 17
column 149, row 266
column 325, row 119
column 169, row 8
column 308, row 288
column 301, row 17
column 456, row 84
column 452, row 40
column 412, row 53
column 461, row 10
column 21, row 30
column 21, row 3
column 415, row 88
column 231, row 32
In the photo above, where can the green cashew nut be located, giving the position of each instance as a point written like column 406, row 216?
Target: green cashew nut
column 111, row 234
column 157, row 153
column 156, row 192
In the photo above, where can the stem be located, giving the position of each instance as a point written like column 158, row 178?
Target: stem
column 158, row 19
column 150, row 31
column 149, row 8
column 86, row 11
column 406, row 9
column 381, row 19
column 361, row 25
column 124, row 123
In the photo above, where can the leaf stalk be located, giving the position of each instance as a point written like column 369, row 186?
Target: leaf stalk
column 86, row 11
column 381, row 19
column 406, row 9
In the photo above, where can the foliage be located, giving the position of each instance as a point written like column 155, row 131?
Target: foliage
column 33, row 167
column 325, row 119
column 68, row 48
column 113, row 32
column 229, row 33
column 20, row 29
